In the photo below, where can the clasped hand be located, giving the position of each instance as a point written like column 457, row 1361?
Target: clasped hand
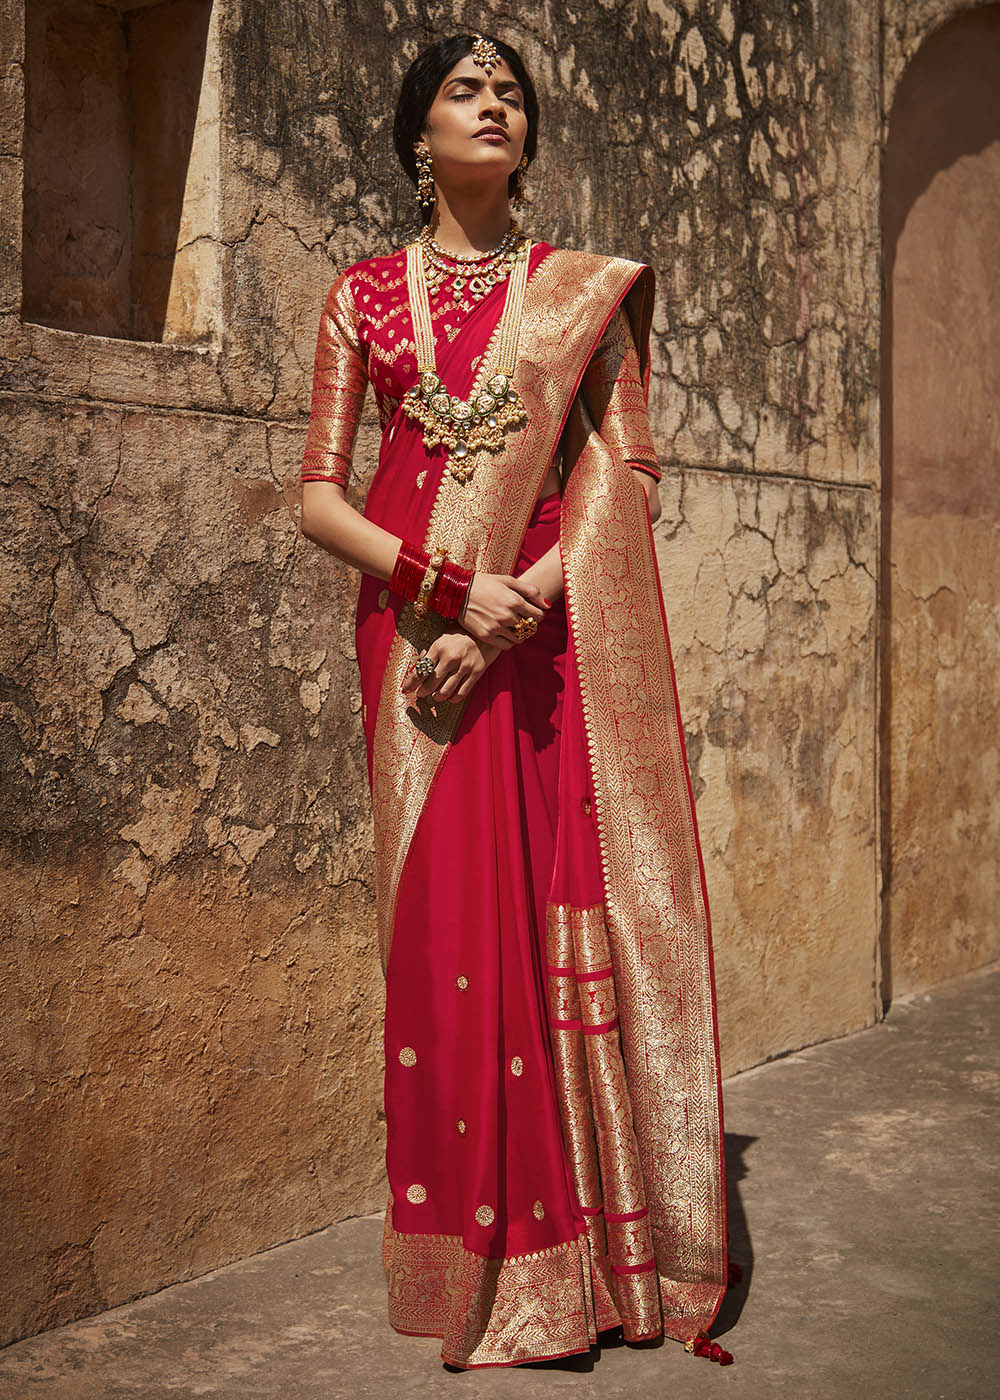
column 462, row 654
column 495, row 603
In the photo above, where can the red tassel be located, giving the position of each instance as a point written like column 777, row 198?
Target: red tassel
column 701, row 1346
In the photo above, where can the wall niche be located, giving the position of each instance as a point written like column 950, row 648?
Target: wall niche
column 121, row 169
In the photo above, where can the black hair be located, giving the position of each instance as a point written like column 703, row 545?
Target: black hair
column 420, row 87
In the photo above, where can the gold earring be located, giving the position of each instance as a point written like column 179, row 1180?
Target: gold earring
column 519, row 175
column 425, row 177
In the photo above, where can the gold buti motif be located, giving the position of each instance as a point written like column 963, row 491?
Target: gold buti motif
column 517, row 1066
column 538, row 1211
column 462, row 983
column 416, row 1194
column 408, row 1056
column 460, row 1125
column 485, row 1215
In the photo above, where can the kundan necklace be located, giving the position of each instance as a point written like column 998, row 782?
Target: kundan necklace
column 493, row 405
column 472, row 277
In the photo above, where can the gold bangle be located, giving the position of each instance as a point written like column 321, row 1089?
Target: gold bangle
column 427, row 584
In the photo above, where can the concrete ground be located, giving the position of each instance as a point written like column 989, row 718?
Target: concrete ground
column 862, row 1208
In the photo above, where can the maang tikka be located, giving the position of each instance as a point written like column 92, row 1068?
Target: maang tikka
column 485, row 54
column 425, row 177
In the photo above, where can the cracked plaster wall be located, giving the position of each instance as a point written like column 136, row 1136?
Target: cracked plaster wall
column 195, row 1038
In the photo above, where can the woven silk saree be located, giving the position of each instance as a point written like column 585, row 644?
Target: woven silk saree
column 552, row 1092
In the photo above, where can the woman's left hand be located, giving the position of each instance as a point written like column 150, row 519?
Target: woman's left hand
column 460, row 659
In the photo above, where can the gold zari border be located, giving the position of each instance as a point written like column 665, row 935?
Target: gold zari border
column 596, row 1114
column 657, row 917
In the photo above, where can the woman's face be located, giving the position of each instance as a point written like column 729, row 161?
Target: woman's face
column 476, row 125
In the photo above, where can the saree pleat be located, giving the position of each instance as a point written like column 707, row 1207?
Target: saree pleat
column 552, row 1090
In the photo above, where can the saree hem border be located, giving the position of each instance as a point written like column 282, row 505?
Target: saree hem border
column 493, row 1365
column 576, row 1265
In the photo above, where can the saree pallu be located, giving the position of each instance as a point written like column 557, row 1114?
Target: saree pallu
column 552, row 1091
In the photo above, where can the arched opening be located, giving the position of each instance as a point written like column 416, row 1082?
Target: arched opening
column 940, row 584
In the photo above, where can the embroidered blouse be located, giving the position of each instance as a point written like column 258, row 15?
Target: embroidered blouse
column 366, row 337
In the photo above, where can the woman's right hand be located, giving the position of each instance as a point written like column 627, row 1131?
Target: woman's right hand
column 495, row 602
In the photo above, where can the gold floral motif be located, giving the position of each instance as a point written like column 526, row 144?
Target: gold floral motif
column 460, row 1125
column 485, row 1215
column 517, row 1066
column 416, row 1194
column 538, row 1211
column 462, row 983
column 408, row 1056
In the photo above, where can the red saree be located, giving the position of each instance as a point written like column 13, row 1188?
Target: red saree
column 552, row 1092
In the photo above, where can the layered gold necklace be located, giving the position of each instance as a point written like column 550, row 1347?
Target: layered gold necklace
column 494, row 406
column 472, row 276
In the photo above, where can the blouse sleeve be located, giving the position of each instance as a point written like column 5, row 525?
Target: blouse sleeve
column 615, row 399
column 340, row 378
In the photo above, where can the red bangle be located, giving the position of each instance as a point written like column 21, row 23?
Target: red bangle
column 408, row 572
column 450, row 589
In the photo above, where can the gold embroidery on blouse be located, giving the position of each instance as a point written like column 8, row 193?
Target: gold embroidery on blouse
column 388, row 357
column 383, row 597
column 485, row 1215
column 340, row 380
column 416, row 1194
column 407, row 1056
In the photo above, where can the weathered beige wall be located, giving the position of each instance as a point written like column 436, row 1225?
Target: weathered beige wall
column 194, row 1041
column 769, row 588
column 941, row 760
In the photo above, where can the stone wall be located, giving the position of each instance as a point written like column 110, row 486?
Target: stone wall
column 194, row 1039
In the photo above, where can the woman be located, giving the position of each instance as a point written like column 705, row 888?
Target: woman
column 552, row 1088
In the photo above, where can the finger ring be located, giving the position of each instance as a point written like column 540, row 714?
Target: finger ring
column 525, row 627
column 425, row 666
